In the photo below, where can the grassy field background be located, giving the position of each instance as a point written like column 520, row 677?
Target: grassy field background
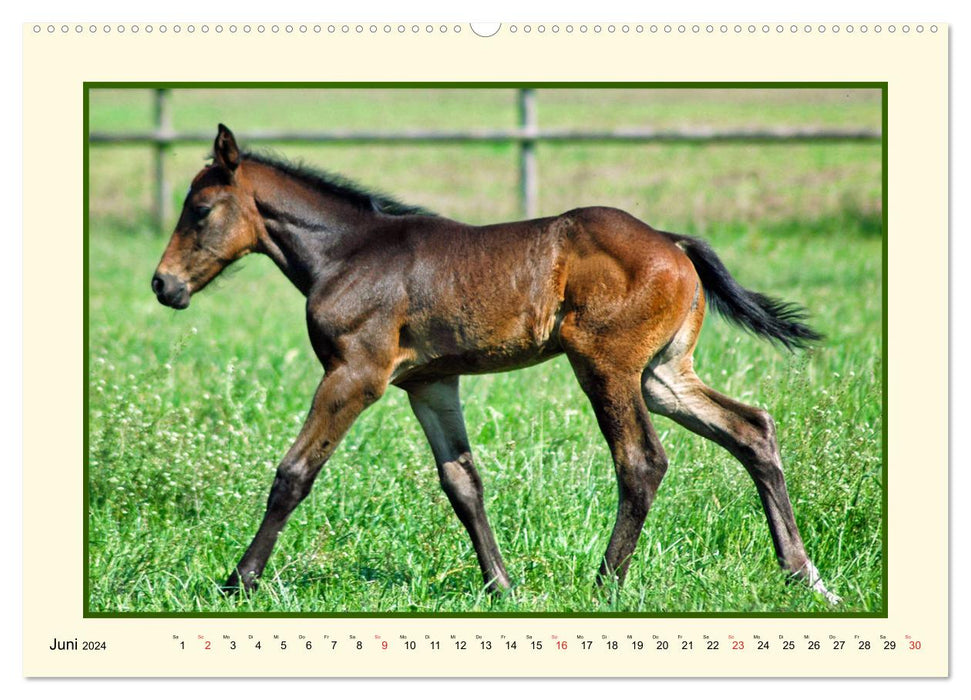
column 191, row 411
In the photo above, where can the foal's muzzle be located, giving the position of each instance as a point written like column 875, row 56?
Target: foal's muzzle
column 170, row 291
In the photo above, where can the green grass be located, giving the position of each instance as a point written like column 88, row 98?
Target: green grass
column 190, row 411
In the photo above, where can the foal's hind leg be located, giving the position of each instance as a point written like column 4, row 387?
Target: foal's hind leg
column 671, row 388
column 639, row 459
column 437, row 407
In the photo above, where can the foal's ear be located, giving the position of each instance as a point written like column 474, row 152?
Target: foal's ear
column 225, row 151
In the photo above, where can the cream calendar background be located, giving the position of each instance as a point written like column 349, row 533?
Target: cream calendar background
column 55, row 68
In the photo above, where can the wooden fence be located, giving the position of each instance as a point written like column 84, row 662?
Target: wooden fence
column 527, row 134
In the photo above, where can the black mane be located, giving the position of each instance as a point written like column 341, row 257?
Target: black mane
column 333, row 184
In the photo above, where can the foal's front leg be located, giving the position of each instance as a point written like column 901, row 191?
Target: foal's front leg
column 437, row 407
column 343, row 393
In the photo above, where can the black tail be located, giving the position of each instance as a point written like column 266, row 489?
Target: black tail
column 776, row 320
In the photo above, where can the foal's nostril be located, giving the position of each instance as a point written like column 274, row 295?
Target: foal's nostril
column 170, row 291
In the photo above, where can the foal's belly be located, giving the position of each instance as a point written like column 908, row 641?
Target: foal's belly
column 440, row 349
column 452, row 365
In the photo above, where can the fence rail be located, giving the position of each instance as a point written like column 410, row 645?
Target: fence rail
column 526, row 135
column 646, row 134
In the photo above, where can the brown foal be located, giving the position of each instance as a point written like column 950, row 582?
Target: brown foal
column 397, row 295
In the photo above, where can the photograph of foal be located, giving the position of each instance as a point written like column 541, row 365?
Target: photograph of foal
column 398, row 295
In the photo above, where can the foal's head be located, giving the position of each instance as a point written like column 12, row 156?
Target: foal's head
column 219, row 224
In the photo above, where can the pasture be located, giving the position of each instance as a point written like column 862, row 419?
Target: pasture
column 190, row 412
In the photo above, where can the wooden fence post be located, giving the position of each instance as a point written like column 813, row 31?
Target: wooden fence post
column 525, row 135
column 528, row 176
column 163, row 132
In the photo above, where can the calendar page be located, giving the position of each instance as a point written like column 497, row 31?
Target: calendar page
column 537, row 350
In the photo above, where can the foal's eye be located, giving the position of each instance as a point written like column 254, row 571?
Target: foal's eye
column 201, row 211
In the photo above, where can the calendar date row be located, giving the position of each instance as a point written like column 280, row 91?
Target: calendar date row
column 457, row 643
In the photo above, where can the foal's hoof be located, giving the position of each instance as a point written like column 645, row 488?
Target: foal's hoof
column 606, row 589
column 810, row 574
column 831, row 598
column 234, row 587
column 499, row 587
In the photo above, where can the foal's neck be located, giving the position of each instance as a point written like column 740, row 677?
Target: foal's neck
column 306, row 230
